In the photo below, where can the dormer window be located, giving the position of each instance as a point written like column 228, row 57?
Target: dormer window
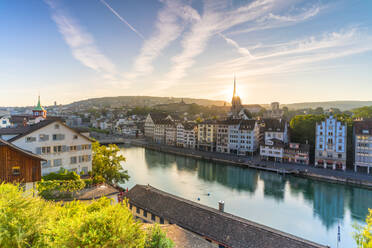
column 75, row 137
column 56, row 126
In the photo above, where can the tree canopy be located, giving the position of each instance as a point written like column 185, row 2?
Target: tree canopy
column 106, row 164
column 363, row 234
column 28, row 221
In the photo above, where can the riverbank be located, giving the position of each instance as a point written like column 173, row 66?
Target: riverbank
column 306, row 171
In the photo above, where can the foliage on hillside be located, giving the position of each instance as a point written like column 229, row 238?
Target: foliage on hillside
column 363, row 234
column 363, row 112
column 27, row 221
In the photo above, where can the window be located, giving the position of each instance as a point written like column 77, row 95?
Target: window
column 16, row 170
column 45, row 150
column 56, row 126
column 57, row 149
column 340, row 148
column 339, row 155
column 84, row 158
column 130, row 206
column 138, row 210
column 43, row 137
column 75, row 137
column 58, row 136
column 73, row 148
column 144, row 213
column 161, row 220
column 46, row 164
column 153, row 217
column 73, row 160
column 30, row 139
column 57, row 162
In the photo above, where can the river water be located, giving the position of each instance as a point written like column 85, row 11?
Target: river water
column 303, row 207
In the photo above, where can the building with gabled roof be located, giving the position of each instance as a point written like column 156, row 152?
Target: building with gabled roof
column 18, row 165
column 60, row 145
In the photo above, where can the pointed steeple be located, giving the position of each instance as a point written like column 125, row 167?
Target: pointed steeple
column 234, row 94
column 38, row 102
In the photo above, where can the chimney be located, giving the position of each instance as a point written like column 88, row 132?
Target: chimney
column 221, row 206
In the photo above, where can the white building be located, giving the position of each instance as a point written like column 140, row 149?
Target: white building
column 275, row 139
column 186, row 135
column 330, row 148
column 363, row 145
column 5, row 121
column 59, row 145
column 149, row 126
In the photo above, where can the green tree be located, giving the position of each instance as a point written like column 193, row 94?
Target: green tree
column 106, row 164
column 303, row 130
column 363, row 112
column 156, row 238
column 29, row 221
column 363, row 235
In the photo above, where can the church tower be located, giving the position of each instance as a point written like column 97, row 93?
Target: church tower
column 236, row 104
column 39, row 111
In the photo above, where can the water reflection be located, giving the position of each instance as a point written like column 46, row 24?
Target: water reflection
column 329, row 201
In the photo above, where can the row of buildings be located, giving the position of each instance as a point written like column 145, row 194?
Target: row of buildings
column 269, row 137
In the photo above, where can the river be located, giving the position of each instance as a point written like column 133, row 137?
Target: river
column 303, row 207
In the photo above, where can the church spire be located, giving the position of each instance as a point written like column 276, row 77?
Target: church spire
column 234, row 94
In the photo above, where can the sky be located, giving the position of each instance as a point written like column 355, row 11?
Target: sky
column 279, row 50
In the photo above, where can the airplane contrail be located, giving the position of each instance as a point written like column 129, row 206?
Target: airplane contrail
column 122, row 19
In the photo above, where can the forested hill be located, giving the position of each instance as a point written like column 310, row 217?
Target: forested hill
column 342, row 105
column 142, row 101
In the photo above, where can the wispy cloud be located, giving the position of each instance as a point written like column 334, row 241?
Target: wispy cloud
column 214, row 20
column 291, row 56
column 122, row 19
column 271, row 21
column 81, row 43
column 167, row 29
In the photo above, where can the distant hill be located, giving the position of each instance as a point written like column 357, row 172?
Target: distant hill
column 342, row 105
column 141, row 101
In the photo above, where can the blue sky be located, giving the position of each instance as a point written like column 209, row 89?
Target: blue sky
column 280, row 50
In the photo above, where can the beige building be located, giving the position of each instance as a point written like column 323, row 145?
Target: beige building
column 207, row 136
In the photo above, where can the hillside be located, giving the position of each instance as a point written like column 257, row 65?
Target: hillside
column 141, row 101
column 342, row 105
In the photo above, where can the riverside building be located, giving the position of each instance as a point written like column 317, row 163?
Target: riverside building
column 330, row 144
column 363, row 145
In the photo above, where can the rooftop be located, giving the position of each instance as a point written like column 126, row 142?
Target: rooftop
column 225, row 228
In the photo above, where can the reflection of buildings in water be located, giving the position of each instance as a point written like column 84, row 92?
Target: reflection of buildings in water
column 303, row 186
column 361, row 200
column 329, row 203
column 186, row 164
column 158, row 159
column 230, row 176
column 274, row 185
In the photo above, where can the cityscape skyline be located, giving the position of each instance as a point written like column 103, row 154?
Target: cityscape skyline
column 286, row 51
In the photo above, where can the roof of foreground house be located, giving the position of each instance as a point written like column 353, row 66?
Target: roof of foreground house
column 225, row 228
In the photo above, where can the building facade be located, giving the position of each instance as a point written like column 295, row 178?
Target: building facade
column 297, row 153
column 275, row 139
column 362, row 134
column 59, row 145
column 207, row 136
column 330, row 144
column 18, row 165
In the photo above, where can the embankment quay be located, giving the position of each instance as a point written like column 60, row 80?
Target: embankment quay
column 254, row 162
